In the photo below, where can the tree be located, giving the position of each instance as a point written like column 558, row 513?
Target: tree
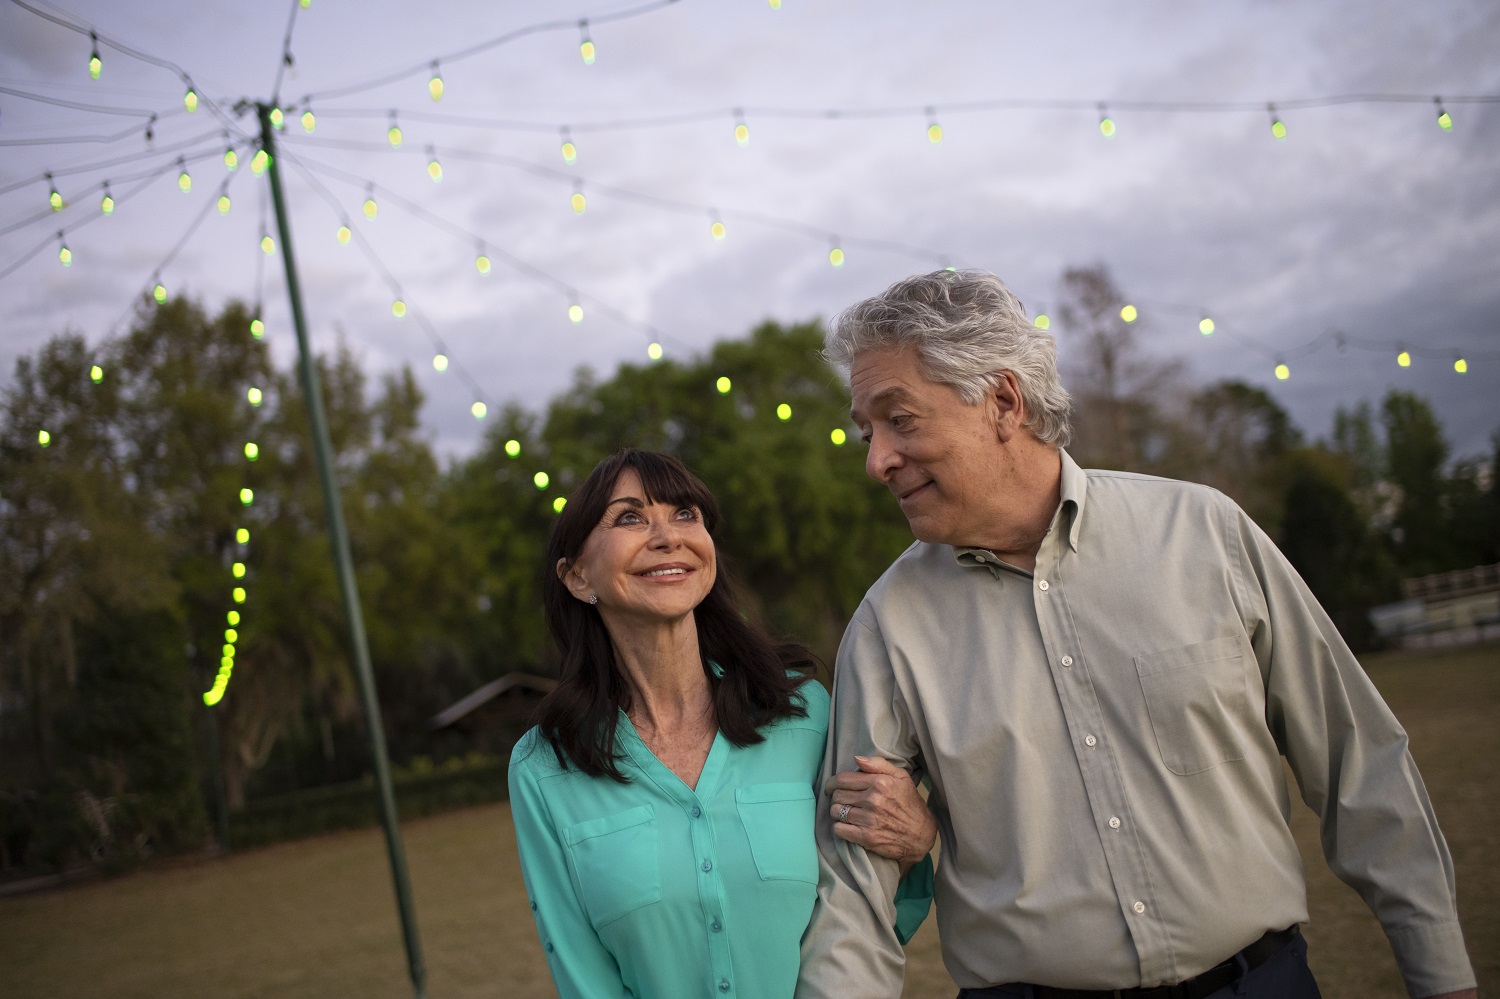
column 1237, row 439
column 1415, row 456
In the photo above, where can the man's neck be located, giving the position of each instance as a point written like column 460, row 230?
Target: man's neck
column 1027, row 498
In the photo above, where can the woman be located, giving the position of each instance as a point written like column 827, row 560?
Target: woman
column 664, row 803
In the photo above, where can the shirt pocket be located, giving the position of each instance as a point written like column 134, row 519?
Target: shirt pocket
column 616, row 862
column 778, row 821
column 1198, row 699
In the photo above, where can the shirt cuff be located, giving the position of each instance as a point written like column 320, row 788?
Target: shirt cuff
column 913, row 899
column 1432, row 959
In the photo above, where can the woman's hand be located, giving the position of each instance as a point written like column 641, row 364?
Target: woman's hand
column 878, row 807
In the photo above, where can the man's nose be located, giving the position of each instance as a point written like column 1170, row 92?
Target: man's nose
column 882, row 459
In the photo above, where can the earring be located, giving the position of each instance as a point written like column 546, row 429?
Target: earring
column 593, row 598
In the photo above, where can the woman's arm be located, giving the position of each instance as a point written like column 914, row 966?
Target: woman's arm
column 580, row 964
column 885, row 813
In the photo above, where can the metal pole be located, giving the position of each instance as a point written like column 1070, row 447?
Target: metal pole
column 345, row 565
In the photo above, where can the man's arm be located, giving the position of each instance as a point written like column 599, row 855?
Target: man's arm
column 1350, row 758
column 850, row 947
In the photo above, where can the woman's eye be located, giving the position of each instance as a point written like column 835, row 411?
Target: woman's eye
column 628, row 517
column 687, row 513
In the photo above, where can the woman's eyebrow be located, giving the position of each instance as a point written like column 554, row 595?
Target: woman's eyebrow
column 631, row 500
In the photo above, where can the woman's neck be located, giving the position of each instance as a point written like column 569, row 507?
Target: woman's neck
column 664, row 676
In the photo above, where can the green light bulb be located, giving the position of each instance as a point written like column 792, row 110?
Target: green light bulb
column 558, row 503
column 247, row 496
column 575, row 312
column 242, row 536
column 233, row 617
column 578, row 202
column 238, row 569
column 480, row 410
column 838, row 436
column 309, row 120
column 1043, row 322
column 482, row 264
column 344, row 235
column 540, row 479
column 258, row 162
column 277, row 119
column 107, row 203
column 43, row 438
column 231, row 636
column 398, row 309
column 723, row 384
column 159, row 293
column 65, row 255
column 224, row 204
column 257, row 328
column 252, row 450
column 190, row 100
column 1206, row 326
column 96, row 373
column 654, row 351
column 1129, row 313
column 238, row 594
column 783, row 412
column 440, row 362
column 513, row 448
column 254, row 396
column 231, row 159
column 836, row 256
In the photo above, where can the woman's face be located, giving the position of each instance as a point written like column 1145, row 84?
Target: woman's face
column 646, row 562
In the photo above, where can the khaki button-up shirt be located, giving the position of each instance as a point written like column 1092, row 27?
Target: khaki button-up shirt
column 1103, row 738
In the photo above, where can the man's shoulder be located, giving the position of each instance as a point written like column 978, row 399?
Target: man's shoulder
column 1108, row 487
column 909, row 576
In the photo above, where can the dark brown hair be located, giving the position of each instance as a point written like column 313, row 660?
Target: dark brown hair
column 759, row 676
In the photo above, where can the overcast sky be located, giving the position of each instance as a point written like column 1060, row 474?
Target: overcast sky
column 1368, row 219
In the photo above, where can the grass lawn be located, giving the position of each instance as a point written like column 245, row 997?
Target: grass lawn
column 317, row 918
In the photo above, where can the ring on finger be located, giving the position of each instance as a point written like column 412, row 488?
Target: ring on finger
column 844, row 813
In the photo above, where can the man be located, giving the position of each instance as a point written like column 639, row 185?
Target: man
column 1099, row 673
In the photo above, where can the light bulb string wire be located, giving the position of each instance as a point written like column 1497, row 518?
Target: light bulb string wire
column 73, row 207
column 564, row 24
column 105, row 39
column 121, row 198
column 170, row 149
column 81, row 105
column 373, row 258
column 741, row 114
column 572, row 180
column 286, row 52
column 572, row 292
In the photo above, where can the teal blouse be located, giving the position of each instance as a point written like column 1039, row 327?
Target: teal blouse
column 656, row 889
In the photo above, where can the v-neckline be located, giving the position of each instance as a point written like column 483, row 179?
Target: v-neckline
column 664, row 776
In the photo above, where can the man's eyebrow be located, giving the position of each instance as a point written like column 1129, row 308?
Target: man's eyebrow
column 896, row 393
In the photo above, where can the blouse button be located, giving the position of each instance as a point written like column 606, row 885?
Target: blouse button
column 716, row 926
column 533, row 906
column 708, row 865
column 697, row 811
column 723, row 985
column 549, row 946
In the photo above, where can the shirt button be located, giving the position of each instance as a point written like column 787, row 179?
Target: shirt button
column 723, row 985
column 1043, row 585
column 1114, row 823
column 716, row 926
column 708, row 865
column 697, row 811
column 1138, row 908
column 1090, row 741
column 1067, row 660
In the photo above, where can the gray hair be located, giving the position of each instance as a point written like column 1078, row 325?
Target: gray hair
column 966, row 327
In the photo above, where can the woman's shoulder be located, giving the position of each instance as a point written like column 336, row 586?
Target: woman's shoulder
column 534, row 755
column 812, row 697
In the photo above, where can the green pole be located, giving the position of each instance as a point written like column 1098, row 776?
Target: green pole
column 345, row 565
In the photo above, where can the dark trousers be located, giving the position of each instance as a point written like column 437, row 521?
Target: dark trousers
column 1284, row 976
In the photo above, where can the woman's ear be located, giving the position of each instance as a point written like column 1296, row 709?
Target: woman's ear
column 576, row 584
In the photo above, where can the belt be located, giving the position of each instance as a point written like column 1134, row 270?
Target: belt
column 1197, row 987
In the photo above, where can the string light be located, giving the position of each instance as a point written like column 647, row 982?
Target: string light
column 159, row 293
column 569, row 151
column 96, row 65
column 775, row 4
column 1403, row 359
column 43, row 438
column 306, row 4
column 247, row 496
column 1206, row 326
column 1277, row 128
column 541, row 479
column 233, row 617
column 586, row 45
column 577, row 201
column 254, row 396
column 654, row 351
column 259, row 161
column 575, row 313
column 1129, row 313
column 190, row 99
column 723, row 384
column 1444, row 119
column 716, row 227
column 238, row 594
column 1042, row 322
column 96, row 374
column 838, row 436
column 184, row 179
column 241, row 536
column 309, row 121
column 741, row 130
column 64, row 255
column 558, row 503
column 783, row 412
column 1106, row 123
column 482, row 261
column 231, row 159
column 435, row 85
column 371, row 209
column 1460, row 365
column 398, row 308
column 257, row 328
column 267, row 244
column 934, row 130
column 836, row 254
column 252, row 451
column 231, row 636
column 53, row 197
column 1282, row 371
column 278, row 120
column 224, row 204
column 480, row 410
column 238, row 570
column 393, row 134
column 440, row 362
column 344, row 234
column 434, row 168
column 513, row 448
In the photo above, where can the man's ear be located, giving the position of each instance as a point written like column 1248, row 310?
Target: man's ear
column 1008, row 406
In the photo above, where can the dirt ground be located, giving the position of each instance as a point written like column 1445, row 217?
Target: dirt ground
column 317, row 918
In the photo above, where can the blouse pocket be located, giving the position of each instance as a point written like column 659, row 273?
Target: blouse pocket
column 1198, row 701
column 616, row 862
column 778, row 821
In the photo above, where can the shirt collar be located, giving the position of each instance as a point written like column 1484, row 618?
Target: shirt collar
column 1073, row 490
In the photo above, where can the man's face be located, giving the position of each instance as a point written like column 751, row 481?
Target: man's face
column 934, row 452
